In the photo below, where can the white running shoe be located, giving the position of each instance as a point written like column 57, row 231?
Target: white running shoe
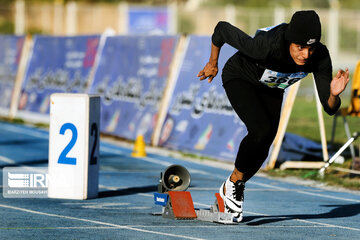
column 233, row 198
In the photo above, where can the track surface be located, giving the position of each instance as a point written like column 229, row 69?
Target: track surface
column 273, row 209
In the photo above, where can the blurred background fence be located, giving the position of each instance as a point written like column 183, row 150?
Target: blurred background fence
column 340, row 20
column 341, row 27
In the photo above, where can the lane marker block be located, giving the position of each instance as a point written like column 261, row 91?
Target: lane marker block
column 74, row 146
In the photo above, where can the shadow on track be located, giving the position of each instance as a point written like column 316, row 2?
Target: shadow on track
column 339, row 211
column 26, row 163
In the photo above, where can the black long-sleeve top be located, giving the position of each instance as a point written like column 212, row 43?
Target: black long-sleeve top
column 268, row 53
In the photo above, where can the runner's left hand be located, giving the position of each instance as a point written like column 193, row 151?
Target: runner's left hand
column 339, row 82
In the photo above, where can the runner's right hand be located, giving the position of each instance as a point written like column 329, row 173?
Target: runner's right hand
column 210, row 71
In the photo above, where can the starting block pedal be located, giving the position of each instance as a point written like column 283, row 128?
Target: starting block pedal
column 216, row 217
column 219, row 203
column 216, row 213
column 177, row 204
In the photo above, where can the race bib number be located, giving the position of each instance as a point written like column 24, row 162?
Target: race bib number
column 266, row 29
column 280, row 80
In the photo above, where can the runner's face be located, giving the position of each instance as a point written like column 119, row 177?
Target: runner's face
column 300, row 54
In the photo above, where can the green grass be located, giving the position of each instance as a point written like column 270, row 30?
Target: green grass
column 304, row 118
column 304, row 122
column 332, row 177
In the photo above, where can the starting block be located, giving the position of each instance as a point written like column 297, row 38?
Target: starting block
column 176, row 204
column 179, row 205
column 216, row 213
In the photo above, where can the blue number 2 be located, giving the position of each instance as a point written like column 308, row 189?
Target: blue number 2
column 63, row 159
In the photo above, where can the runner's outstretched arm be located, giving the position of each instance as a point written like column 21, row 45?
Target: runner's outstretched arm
column 337, row 86
column 211, row 68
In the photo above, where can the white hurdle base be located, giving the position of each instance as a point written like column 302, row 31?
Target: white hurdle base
column 74, row 146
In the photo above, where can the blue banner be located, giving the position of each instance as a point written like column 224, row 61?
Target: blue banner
column 57, row 64
column 200, row 118
column 10, row 54
column 149, row 20
column 130, row 79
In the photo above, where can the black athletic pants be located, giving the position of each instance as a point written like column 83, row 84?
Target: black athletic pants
column 259, row 108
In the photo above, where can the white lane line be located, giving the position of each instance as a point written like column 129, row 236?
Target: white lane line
column 157, row 226
column 306, row 193
column 239, row 225
column 6, row 160
column 297, row 219
column 27, row 131
column 21, row 165
column 266, row 185
column 164, row 163
column 95, row 222
column 286, row 218
column 329, row 225
column 251, row 189
column 331, row 197
column 49, row 228
column 150, row 160
column 111, row 150
column 306, row 221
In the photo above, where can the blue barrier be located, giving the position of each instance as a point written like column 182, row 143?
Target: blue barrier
column 10, row 54
column 146, row 20
column 130, row 79
column 56, row 64
column 200, row 118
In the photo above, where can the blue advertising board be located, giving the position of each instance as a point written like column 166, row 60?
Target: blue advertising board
column 56, row 64
column 149, row 20
column 130, row 78
column 200, row 118
column 10, row 54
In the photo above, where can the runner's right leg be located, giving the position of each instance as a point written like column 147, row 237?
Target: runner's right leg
column 259, row 108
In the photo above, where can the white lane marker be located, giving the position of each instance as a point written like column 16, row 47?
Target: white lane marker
column 330, row 197
column 306, row 221
column 251, row 189
column 95, row 222
column 157, row 226
column 7, row 160
column 26, row 131
column 306, row 193
column 164, row 163
column 150, row 160
column 286, row 218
